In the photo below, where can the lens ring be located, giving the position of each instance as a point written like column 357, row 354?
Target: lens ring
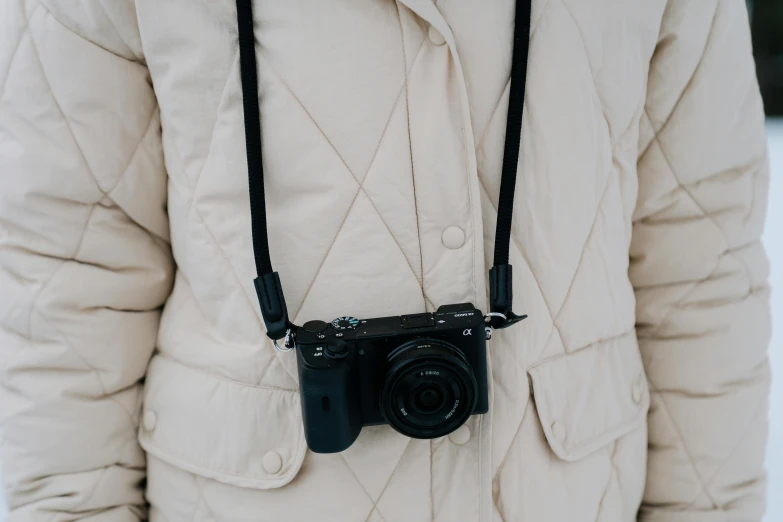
column 442, row 372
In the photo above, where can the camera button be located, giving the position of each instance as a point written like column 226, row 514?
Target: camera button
column 460, row 436
column 338, row 334
column 417, row 320
column 321, row 336
column 314, row 326
column 336, row 350
column 272, row 462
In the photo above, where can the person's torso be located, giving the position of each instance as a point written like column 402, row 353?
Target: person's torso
column 383, row 128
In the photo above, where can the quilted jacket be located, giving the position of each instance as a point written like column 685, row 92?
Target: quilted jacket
column 137, row 381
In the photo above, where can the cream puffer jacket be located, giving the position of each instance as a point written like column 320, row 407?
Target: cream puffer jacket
column 132, row 344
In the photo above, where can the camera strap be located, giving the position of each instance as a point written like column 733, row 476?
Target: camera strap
column 267, row 284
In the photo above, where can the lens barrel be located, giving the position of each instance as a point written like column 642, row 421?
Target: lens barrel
column 430, row 389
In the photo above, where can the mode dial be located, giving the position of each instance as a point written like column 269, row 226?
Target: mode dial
column 345, row 323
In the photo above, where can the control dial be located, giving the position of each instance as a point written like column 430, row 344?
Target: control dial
column 345, row 323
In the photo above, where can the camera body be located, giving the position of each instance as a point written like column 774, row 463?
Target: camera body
column 423, row 374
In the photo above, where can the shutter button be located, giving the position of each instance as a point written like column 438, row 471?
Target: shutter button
column 314, row 326
column 149, row 420
column 435, row 37
column 272, row 462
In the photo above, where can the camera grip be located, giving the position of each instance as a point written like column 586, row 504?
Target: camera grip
column 331, row 409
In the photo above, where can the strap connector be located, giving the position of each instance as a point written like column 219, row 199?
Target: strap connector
column 273, row 308
column 501, row 297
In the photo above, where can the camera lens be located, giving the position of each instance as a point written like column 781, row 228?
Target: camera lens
column 430, row 389
column 428, row 398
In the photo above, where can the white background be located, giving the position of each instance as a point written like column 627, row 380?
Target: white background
column 773, row 239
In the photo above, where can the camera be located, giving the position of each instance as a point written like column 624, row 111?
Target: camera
column 423, row 374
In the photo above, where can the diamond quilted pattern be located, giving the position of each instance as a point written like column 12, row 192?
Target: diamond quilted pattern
column 354, row 124
column 375, row 456
column 366, row 171
column 81, row 112
column 707, row 300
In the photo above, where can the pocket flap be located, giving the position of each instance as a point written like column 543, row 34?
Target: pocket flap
column 591, row 397
column 240, row 434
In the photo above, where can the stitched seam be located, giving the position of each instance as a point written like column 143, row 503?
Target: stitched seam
column 25, row 31
column 203, row 498
column 185, row 463
column 199, row 497
column 62, row 115
column 584, row 247
column 369, row 497
column 410, row 147
column 687, row 85
column 111, row 22
column 468, row 176
column 605, row 340
column 90, row 41
column 687, row 191
column 391, row 476
column 104, row 393
column 84, row 232
column 513, row 440
column 218, row 377
column 360, row 185
column 87, row 499
column 522, row 418
column 138, row 147
column 393, row 472
column 67, row 122
column 590, row 68
column 378, row 513
column 516, row 245
column 533, row 29
column 699, row 479
column 761, row 409
column 480, row 142
column 612, row 474
column 234, row 60
column 60, row 266
column 193, row 208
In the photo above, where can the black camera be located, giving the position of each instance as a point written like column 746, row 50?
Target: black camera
column 423, row 374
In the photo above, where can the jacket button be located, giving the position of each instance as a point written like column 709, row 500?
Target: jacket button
column 460, row 436
column 453, row 237
column 558, row 430
column 149, row 420
column 435, row 36
column 272, row 462
column 637, row 390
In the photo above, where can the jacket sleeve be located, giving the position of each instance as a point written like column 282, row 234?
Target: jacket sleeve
column 699, row 269
column 85, row 263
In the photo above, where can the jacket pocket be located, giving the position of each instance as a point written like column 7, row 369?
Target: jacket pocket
column 232, row 432
column 588, row 398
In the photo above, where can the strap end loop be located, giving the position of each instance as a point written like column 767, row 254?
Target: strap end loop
column 501, row 298
column 273, row 307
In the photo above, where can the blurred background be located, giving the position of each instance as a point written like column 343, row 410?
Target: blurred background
column 767, row 29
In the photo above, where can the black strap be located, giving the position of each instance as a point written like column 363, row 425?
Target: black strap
column 500, row 288
column 268, row 287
